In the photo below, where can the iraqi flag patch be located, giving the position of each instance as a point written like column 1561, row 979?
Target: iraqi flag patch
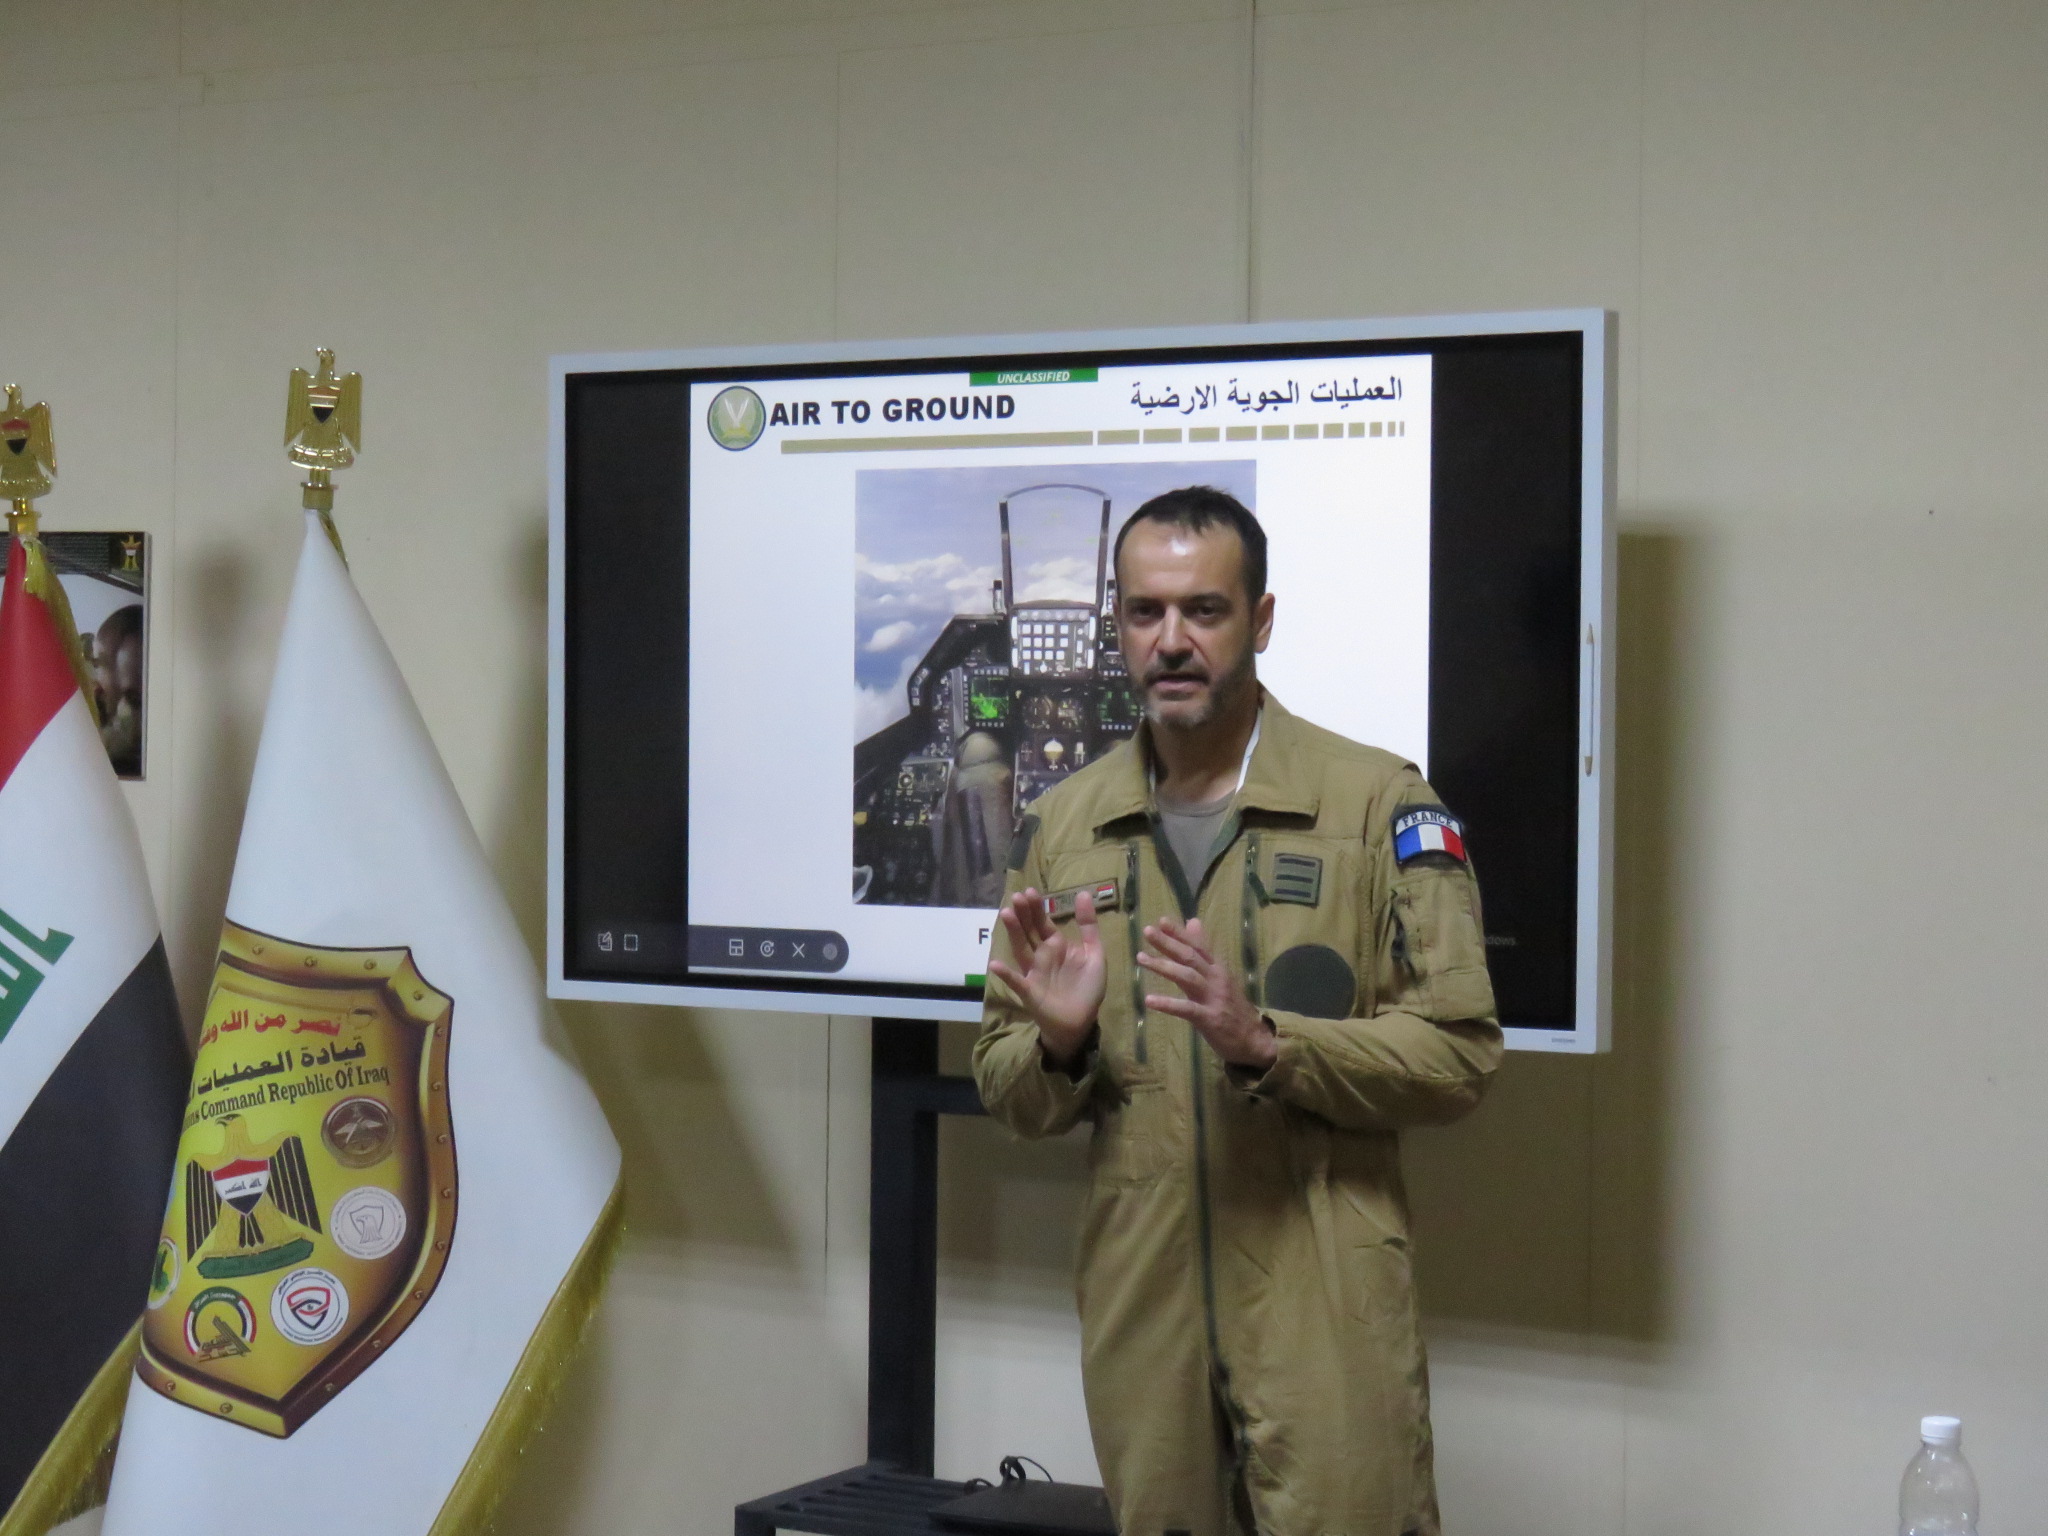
column 1421, row 830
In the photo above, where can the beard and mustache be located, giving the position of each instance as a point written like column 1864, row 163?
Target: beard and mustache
column 1224, row 691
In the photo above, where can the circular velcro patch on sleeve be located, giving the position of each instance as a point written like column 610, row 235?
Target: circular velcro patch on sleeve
column 1312, row 979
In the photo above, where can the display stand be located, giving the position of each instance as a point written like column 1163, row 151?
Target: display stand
column 894, row 1491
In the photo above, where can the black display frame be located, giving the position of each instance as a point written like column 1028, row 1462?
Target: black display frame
column 1475, row 712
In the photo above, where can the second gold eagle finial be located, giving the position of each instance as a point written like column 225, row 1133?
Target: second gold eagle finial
column 323, row 426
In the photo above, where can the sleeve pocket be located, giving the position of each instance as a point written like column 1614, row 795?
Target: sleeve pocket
column 1440, row 946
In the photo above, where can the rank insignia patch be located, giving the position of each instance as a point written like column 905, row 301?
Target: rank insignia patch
column 1297, row 877
column 1421, row 830
column 1061, row 904
column 314, row 1198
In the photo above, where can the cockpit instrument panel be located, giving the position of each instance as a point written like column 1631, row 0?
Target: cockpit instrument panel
column 1011, row 702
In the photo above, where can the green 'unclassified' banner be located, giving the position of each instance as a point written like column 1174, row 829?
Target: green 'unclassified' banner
column 1035, row 376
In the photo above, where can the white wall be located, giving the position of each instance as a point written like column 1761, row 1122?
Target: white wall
column 1705, row 1284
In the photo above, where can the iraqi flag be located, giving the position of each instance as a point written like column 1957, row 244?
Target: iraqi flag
column 93, row 1069
column 395, row 1197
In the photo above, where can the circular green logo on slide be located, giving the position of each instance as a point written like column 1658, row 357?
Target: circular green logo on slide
column 737, row 418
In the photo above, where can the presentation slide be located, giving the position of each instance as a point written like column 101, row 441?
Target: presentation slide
column 902, row 625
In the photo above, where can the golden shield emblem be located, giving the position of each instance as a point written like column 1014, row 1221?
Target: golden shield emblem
column 314, row 1196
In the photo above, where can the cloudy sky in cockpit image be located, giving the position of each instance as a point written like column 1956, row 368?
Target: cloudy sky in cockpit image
column 928, row 545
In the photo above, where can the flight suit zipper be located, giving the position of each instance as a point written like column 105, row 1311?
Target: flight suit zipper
column 1136, row 927
column 1254, row 899
column 1205, row 1235
column 1187, row 896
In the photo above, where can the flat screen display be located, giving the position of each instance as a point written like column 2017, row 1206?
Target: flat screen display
column 826, row 621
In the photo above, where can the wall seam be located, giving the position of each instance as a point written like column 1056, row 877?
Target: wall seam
column 838, row 181
column 1634, row 431
column 825, row 1246
column 1248, row 139
column 166, row 745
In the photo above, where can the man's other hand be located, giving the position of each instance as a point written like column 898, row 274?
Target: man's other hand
column 1212, row 999
column 1058, row 976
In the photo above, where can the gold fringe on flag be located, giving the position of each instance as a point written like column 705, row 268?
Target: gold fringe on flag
column 488, row 1475
column 73, row 1473
column 43, row 585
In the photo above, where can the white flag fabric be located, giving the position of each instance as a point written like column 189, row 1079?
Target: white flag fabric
column 93, row 1068
column 395, row 1197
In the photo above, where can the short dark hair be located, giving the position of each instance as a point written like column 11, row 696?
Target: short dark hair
column 1198, row 508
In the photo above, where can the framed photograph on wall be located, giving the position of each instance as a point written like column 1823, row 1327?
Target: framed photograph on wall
column 106, row 580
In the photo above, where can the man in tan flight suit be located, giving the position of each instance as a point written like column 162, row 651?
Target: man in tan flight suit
column 1249, row 952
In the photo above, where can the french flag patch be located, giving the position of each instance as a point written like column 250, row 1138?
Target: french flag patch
column 1425, row 829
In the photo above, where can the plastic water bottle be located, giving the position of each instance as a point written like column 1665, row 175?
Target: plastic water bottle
column 1938, row 1495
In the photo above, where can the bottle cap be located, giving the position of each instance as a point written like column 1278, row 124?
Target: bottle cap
column 1940, row 1429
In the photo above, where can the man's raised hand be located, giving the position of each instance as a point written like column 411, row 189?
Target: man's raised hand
column 1211, row 998
column 1057, row 975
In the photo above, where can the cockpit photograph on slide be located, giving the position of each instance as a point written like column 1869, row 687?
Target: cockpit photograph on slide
column 985, row 657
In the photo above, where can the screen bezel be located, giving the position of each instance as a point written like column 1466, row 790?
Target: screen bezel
column 1597, row 330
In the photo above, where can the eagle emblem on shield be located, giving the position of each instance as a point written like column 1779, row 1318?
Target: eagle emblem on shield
column 314, row 1199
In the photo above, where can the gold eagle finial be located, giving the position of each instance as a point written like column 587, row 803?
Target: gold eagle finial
column 323, row 426
column 28, row 452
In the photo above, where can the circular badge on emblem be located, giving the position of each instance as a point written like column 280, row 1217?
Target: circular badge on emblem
column 358, row 1132
column 368, row 1222
column 219, row 1323
column 309, row 1306
column 737, row 418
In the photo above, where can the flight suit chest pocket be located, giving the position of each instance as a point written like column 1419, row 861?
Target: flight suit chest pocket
column 1305, row 894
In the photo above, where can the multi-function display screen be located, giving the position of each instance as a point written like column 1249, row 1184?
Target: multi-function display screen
column 827, row 626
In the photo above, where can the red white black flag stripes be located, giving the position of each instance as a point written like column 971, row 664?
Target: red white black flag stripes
column 93, row 1071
